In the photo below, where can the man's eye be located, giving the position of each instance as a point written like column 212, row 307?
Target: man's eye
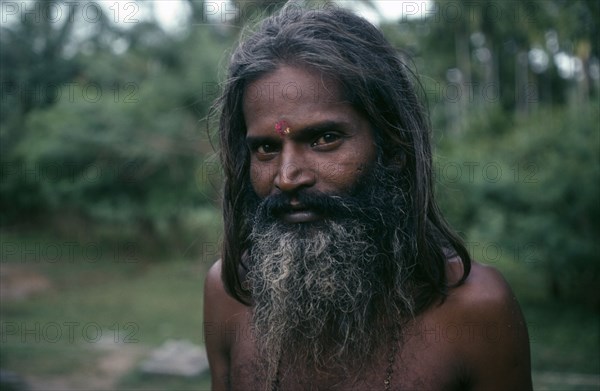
column 326, row 139
column 265, row 148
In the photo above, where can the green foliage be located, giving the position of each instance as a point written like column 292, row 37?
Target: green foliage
column 106, row 136
column 533, row 192
column 121, row 142
column 517, row 158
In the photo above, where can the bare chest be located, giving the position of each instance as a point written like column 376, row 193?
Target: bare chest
column 420, row 363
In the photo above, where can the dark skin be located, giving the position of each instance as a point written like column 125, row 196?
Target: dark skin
column 475, row 339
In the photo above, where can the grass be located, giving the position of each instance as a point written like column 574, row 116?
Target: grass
column 138, row 305
column 564, row 336
column 93, row 308
column 138, row 381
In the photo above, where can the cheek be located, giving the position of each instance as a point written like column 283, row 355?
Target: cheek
column 342, row 175
column 356, row 164
column 330, row 172
column 261, row 179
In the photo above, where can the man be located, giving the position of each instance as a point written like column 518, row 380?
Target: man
column 338, row 270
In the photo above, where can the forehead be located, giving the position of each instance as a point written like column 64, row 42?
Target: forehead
column 296, row 94
column 294, row 84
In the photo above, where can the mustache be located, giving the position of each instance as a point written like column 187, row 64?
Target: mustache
column 327, row 205
column 378, row 199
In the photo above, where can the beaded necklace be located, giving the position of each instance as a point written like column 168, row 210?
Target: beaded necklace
column 387, row 383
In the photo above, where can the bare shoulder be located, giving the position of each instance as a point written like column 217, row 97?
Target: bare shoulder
column 497, row 356
column 213, row 284
column 484, row 286
column 221, row 315
column 218, row 304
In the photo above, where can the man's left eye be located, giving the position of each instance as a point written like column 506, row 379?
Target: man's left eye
column 326, row 139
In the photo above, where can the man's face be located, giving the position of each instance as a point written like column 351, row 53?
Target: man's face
column 304, row 137
column 328, row 225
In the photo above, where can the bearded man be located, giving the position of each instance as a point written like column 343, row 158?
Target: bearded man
column 338, row 270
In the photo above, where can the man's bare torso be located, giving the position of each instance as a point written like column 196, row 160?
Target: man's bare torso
column 475, row 339
column 416, row 361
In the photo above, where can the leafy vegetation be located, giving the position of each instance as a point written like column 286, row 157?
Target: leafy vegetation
column 107, row 164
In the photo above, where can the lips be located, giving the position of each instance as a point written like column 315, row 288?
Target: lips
column 297, row 213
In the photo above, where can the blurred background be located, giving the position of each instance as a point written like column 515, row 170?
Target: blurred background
column 109, row 182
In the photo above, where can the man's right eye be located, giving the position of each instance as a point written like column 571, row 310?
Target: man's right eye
column 266, row 148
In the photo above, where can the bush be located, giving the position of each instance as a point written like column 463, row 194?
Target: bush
column 534, row 189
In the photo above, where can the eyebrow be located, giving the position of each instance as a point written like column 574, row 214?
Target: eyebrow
column 302, row 134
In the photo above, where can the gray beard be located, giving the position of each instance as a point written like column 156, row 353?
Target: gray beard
column 327, row 296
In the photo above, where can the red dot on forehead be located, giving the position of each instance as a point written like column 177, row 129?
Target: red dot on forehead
column 282, row 127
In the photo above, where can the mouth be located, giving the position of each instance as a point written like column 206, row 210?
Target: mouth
column 297, row 213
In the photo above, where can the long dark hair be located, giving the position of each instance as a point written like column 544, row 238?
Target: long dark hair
column 378, row 83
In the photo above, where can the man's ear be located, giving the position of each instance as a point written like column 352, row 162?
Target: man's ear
column 399, row 159
column 396, row 159
column 390, row 156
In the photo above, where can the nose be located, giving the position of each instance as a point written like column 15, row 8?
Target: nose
column 294, row 171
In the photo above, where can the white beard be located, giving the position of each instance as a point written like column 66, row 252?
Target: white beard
column 317, row 291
